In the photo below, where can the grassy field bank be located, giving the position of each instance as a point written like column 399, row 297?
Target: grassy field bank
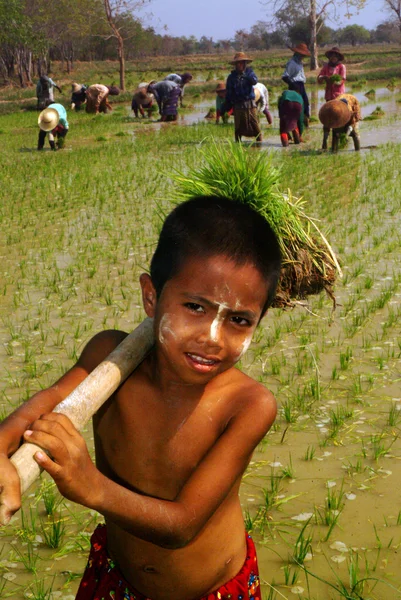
column 322, row 495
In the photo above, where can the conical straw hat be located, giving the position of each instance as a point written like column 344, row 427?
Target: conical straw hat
column 334, row 114
column 48, row 119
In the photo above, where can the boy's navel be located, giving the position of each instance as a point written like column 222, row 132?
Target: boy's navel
column 149, row 569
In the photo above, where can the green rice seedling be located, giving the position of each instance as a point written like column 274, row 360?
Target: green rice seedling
column 358, row 582
column 49, row 494
column 53, row 531
column 334, row 505
column 310, row 453
column 303, row 545
column 272, row 593
column 290, row 413
column 339, row 415
column 345, row 358
column 379, row 449
column 39, row 591
column 270, row 493
column 28, row 530
column 28, row 556
column 356, row 467
column 291, row 575
column 288, row 471
column 248, row 520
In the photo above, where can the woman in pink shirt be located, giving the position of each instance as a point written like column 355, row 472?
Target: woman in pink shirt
column 333, row 67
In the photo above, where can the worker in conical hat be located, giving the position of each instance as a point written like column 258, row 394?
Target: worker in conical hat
column 53, row 122
column 78, row 95
column 333, row 74
column 341, row 115
column 240, row 96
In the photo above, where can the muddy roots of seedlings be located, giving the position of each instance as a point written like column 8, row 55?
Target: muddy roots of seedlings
column 302, row 278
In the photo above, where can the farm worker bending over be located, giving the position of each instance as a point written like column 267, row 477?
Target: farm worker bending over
column 291, row 114
column 263, row 102
column 142, row 100
column 53, row 121
column 182, row 80
column 167, row 94
column 220, row 100
column 240, row 96
column 78, row 95
column 342, row 116
column 333, row 74
column 294, row 76
column 174, row 440
column 97, row 95
column 45, row 92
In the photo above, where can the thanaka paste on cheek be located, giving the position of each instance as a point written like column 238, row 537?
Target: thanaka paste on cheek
column 165, row 328
column 245, row 345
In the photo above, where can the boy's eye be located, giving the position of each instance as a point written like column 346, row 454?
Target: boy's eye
column 241, row 321
column 194, row 307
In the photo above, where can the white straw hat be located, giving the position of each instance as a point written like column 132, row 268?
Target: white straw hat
column 48, row 119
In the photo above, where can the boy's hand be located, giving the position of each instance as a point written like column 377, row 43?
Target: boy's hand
column 69, row 463
column 10, row 490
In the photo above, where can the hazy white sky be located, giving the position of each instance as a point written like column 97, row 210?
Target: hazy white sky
column 220, row 19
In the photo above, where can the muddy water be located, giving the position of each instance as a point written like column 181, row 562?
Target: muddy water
column 373, row 133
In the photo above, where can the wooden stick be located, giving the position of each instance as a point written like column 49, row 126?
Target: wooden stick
column 90, row 394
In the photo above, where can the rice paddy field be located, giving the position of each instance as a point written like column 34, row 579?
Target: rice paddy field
column 322, row 495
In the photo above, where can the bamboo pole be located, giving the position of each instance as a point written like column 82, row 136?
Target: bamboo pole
column 90, row 394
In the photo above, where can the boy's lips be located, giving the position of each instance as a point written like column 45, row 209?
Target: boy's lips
column 202, row 364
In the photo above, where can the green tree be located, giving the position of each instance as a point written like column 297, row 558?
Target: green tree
column 353, row 34
column 116, row 12
column 316, row 12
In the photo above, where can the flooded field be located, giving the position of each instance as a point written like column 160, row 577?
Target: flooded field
column 322, row 496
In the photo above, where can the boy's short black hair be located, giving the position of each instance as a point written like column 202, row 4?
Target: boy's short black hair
column 211, row 226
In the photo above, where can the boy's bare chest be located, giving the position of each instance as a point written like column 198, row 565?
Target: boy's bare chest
column 155, row 446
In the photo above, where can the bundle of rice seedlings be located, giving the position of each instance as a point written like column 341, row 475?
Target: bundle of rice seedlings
column 240, row 173
column 336, row 78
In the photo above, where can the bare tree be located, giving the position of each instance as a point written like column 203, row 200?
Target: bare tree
column 115, row 12
column 394, row 8
column 316, row 11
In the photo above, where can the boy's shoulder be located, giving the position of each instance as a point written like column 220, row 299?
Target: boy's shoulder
column 246, row 395
column 99, row 347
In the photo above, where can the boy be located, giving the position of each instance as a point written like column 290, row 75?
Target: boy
column 174, row 440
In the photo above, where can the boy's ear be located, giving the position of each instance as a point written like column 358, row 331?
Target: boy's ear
column 149, row 297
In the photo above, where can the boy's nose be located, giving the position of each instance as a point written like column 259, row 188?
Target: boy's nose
column 212, row 333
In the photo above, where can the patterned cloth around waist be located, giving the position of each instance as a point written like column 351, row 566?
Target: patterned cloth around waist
column 102, row 579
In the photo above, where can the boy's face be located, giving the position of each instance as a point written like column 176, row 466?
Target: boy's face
column 205, row 317
column 333, row 59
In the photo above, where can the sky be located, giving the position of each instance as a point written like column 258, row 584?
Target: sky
column 220, row 19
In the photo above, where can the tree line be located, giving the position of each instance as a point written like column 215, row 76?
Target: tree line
column 33, row 33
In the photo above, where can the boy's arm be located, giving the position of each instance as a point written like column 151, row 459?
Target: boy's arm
column 169, row 524
column 41, row 403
